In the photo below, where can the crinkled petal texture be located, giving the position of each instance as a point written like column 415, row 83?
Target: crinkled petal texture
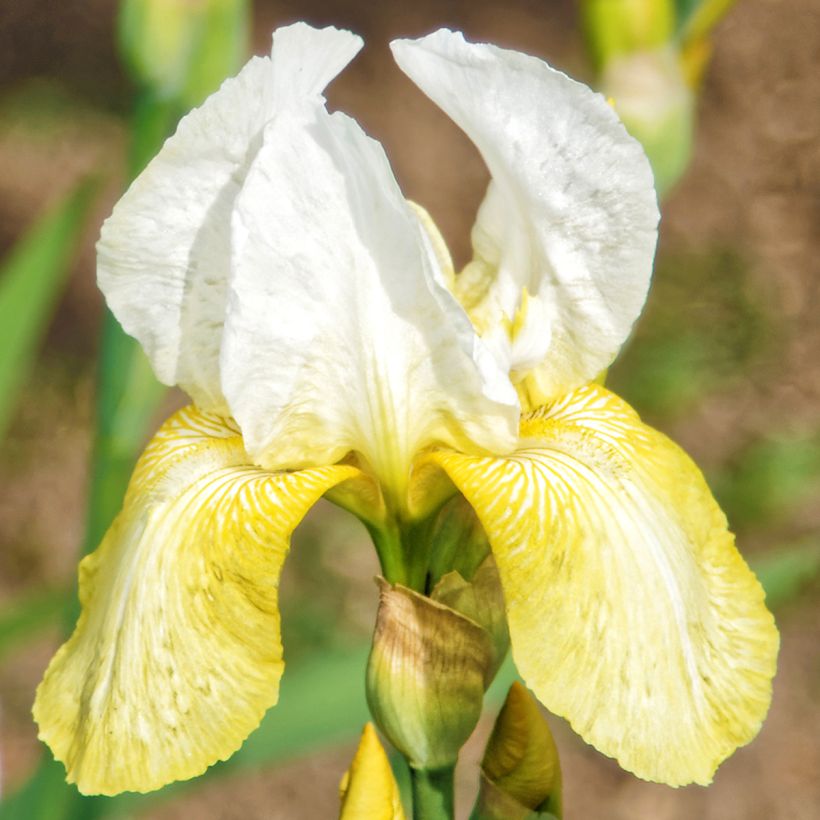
column 164, row 253
column 341, row 334
column 368, row 789
column 269, row 265
column 564, row 241
column 631, row 612
column 177, row 654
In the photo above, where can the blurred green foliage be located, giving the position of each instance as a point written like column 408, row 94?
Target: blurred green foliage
column 769, row 479
column 786, row 572
column 31, row 280
column 650, row 56
column 179, row 50
column 28, row 616
column 182, row 50
column 706, row 325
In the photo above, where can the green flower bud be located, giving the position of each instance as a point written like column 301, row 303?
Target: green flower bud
column 651, row 95
column 426, row 676
column 521, row 770
column 183, row 49
column 618, row 27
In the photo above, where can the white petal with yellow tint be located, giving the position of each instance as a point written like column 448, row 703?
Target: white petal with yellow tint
column 631, row 612
column 341, row 334
column 164, row 253
column 570, row 214
column 368, row 790
column 177, row 653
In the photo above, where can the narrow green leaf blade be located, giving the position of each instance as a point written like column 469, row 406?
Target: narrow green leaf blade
column 31, row 278
column 29, row 616
column 697, row 18
column 46, row 795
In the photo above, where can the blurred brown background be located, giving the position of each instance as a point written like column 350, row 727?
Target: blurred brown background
column 739, row 260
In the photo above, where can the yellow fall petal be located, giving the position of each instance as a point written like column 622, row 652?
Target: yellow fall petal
column 631, row 612
column 368, row 789
column 177, row 653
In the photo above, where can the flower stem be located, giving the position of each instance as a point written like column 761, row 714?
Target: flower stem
column 404, row 553
column 433, row 793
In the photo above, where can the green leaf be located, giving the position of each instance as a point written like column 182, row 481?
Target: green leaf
column 31, row 279
column 46, row 795
column 706, row 324
column 29, row 616
column 769, row 480
column 698, row 18
column 785, row 573
column 322, row 702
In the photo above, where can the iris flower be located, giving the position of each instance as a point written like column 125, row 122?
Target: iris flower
column 270, row 266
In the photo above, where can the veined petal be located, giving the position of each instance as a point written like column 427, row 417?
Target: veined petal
column 570, row 214
column 164, row 253
column 177, row 653
column 368, row 789
column 631, row 612
column 341, row 334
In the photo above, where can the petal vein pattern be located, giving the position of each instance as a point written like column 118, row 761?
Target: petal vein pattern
column 336, row 282
column 177, row 653
column 631, row 612
column 164, row 253
column 565, row 238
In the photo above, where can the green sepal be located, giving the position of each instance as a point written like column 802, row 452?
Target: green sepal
column 481, row 600
column 458, row 541
column 495, row 804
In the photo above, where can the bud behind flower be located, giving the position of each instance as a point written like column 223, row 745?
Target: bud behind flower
column 521, row 771
column 183, row 49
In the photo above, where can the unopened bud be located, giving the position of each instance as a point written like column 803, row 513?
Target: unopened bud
column 426, row 676
column 368, row 788
column 521, row 770
column 617, row 27
column 652, row 98
column 183, row 49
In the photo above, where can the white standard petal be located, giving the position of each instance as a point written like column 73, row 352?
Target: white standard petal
column 341, row 335
column 570, row 218
column 164, row 252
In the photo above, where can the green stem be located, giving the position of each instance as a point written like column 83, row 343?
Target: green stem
column 404, row 554
column 387, row 541
column 433, row 793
